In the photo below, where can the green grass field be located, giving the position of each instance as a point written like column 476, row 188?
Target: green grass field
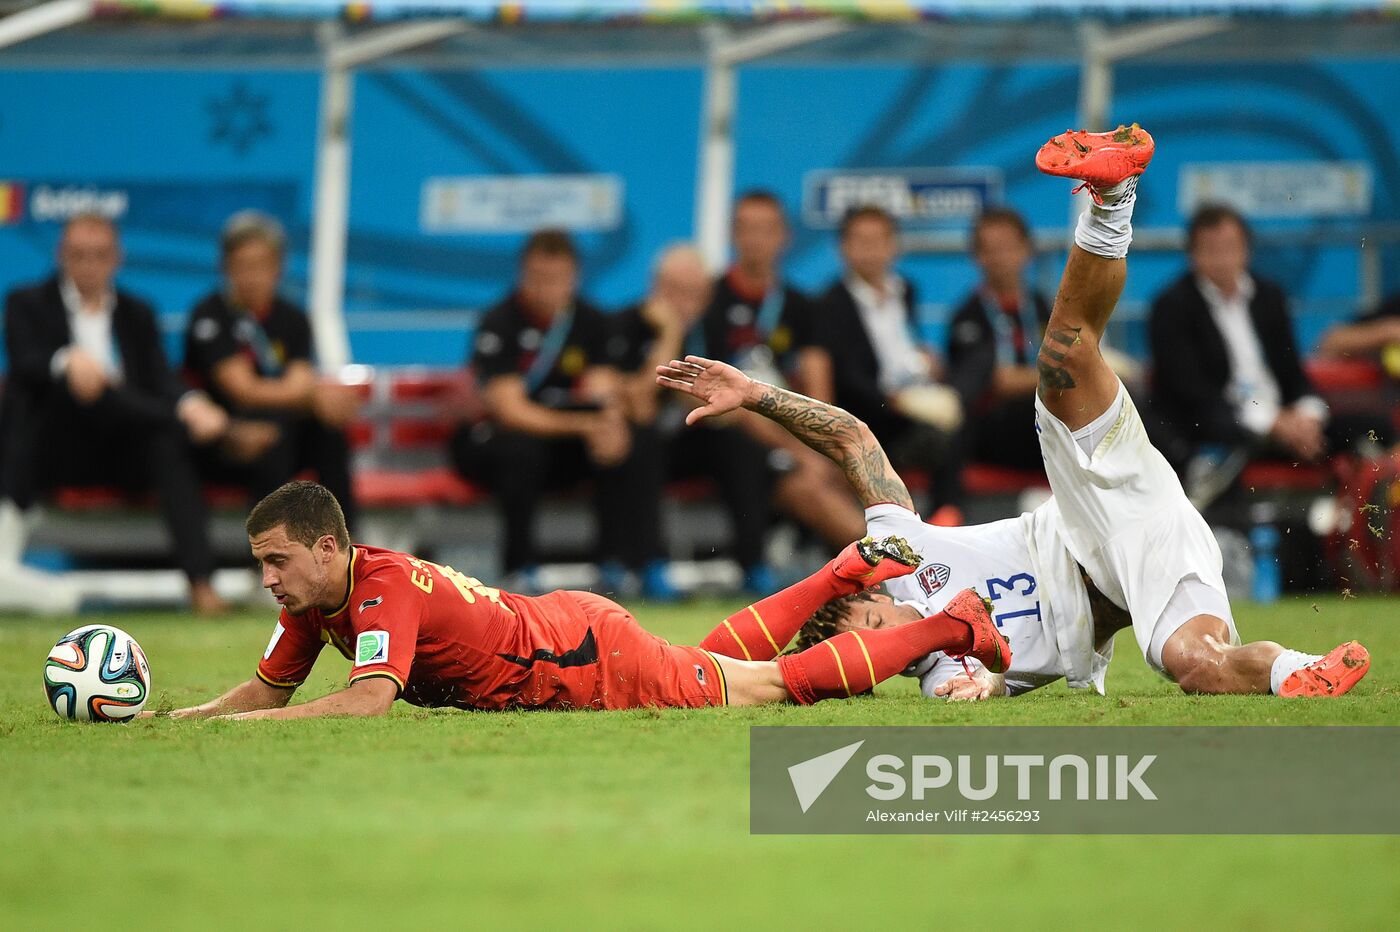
column 633, row 820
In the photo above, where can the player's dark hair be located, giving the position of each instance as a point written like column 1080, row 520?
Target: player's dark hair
column 867, row 212
column 549, row 242
column 761, row 196
column 307, row 510
column 993, row 216
column 1210, row 216
column 824, row 621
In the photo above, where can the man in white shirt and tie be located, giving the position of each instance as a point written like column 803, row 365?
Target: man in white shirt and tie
column 1229, row 384
column 90, row 400
column 882, row 373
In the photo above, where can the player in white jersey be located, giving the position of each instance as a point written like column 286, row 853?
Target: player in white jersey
column 1118, row 545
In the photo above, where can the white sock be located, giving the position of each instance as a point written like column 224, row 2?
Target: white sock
column 1286, row 664
column 1106, row 229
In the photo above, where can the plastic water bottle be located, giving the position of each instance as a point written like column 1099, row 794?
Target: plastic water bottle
column 1268, row 577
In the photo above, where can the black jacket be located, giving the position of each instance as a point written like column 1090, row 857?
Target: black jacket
column 36, row 327
column 1192, row 364
column 972, row 346
column 855, row 367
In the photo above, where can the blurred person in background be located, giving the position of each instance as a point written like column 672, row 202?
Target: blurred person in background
column 1229, row 385
column 764, row 326
column 1374, row 335
column 756, row 320
column 993, row 341
column 883, row 374
column 91, row 400
column 557, row 413
column 751, row 477
column 250, row 348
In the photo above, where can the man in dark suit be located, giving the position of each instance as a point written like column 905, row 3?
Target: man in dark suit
column 1228, row 382
column 882, row 374
column 91, row 400
column 993, row 341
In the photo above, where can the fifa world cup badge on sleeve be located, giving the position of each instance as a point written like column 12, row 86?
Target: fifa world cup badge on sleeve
column 372, row 647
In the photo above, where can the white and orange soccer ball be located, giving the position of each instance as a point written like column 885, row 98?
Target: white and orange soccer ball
column 97, row 673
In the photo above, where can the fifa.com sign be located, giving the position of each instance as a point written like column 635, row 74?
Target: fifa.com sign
column 972, row 780
column 920, row 198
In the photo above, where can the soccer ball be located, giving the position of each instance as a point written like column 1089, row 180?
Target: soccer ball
column 97, row 673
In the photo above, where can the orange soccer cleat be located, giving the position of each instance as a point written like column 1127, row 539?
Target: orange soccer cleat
column 869, row 562
column 1333, row 675
column 1100, row 160
column 988, row 646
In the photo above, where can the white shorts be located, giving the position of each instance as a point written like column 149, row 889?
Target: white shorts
column 1128, row 523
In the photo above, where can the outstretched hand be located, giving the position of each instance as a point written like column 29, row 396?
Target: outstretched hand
column 962, row 688
column 718, row 386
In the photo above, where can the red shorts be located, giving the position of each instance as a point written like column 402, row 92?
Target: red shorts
column 635, row 668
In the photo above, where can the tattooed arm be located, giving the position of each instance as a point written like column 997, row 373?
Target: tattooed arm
column 832, row 432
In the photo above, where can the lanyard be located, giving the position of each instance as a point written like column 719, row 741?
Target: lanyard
column 262, row 347
column 550, row 348
column 771, row 310
column 1030, row 326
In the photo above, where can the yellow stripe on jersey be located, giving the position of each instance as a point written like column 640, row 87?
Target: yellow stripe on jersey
column 350, row 592
column 868, row 665
column 275, row 683
column 334, row 640
column 840, row 668
column 723, row 683
column 738, row 640
column 384, row 673
column 759, row 618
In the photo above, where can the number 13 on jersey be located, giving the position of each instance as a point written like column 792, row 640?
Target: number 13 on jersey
column 1023, row 585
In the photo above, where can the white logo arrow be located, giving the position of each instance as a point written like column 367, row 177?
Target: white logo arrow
column 811, row 777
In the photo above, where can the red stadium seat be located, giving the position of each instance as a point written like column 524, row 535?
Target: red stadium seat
column 1344, row 375
column 96, row 498
column 390, row 488
column 417, row 433
column 424, row 385
column 360, row 434
column 981, row 479
column 1285, row 477
column 691, row 490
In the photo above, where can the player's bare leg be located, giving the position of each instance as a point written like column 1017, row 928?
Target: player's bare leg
column 854, row 661
column 1200, row 657
column 1076, row 384
column 1078, row 387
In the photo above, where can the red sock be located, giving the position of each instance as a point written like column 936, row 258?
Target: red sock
column 761, row 631
column 854, row 661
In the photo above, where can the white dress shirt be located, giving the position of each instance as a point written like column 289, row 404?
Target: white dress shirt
column 902, row 363
column 90, row 330
column 1253, row 391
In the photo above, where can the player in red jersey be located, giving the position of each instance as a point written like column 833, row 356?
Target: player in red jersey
column 435, row 637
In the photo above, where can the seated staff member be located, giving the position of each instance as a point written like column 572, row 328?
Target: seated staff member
column 555, row 415
column 808, row 487
column 250, row 349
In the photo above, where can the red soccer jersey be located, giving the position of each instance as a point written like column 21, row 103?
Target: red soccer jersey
column 446, row 639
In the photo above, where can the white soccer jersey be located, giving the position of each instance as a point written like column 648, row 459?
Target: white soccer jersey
column 1038, row 597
